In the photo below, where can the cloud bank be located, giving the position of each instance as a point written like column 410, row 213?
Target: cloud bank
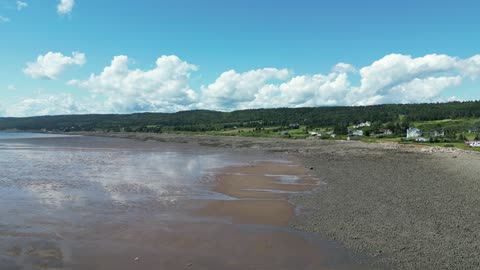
column 395, row 78
column 58, row 104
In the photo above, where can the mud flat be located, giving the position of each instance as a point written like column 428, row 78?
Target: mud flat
column 408, row 207
column 104, row 203
column 259, row 196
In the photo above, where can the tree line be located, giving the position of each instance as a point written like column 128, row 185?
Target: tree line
column 205, row 120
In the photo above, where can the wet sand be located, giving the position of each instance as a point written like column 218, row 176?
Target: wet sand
column 259, row 193
column 101, row 204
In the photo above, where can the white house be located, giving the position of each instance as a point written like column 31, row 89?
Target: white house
column 358, row 132
column 421, row 139
column 413, row 133
column 366, row 124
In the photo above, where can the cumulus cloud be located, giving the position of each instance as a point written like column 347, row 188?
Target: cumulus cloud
column 21, row 5
column 400, row 78
column 51, row 65
column 232, row 88
column 4, row 19
column 394, row 78
column 65, row 7
column 46, row 105
column 163, row 88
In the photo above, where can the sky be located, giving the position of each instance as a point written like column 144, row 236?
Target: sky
column 111, row 56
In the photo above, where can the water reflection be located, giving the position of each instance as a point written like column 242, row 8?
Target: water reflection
column 57, row 175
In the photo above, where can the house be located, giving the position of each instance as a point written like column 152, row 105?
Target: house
column 294, row 125
column 333, row 135
column 358, row 132
column 413, row 133
column 313, row 133
column 473, row 143
column 361, row 125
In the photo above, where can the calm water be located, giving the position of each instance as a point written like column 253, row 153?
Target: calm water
column 61, row 173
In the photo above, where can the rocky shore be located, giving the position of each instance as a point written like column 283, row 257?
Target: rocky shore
column 409, row 207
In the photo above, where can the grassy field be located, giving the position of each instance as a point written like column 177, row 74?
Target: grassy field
column 303, row 132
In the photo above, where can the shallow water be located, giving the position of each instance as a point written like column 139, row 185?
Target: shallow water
column 102, row 203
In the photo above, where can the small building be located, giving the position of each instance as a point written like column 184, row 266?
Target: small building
column 333, row 135
column 413, row 133
column 312, row 133
column 361, row 125
column 358, row 132
column 294, row 125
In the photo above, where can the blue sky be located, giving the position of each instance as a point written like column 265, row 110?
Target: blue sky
column 228, row 55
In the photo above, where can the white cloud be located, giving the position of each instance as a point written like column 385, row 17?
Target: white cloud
column 394, row 78
column 4, row 19
column 46, row 105
column 65, row 7
column 232, row 88
column 21, row 5
column 51, row 65
column 344, row 68
column 163, row 88
column 400, row 78
column 11, row 87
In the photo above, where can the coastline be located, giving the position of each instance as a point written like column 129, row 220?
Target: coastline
column 408, row 207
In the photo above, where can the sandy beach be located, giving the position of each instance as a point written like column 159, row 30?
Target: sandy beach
column 407, row 207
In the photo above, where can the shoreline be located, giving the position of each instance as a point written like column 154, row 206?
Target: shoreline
column 408, row 207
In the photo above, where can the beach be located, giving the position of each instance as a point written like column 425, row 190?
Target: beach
column 407, row 207
column 91, row 202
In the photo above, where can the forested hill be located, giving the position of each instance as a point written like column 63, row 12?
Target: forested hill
column 203, row 120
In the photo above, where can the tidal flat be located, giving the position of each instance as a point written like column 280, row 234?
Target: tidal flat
column 404, row 206
column 89, row 202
